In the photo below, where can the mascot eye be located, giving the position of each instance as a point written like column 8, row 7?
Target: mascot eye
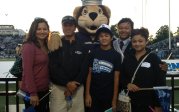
column 100, row 11
column 85, row 12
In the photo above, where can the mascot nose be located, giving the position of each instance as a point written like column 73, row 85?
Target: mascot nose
column 93, row 15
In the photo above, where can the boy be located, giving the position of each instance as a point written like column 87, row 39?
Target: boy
column 103, row 76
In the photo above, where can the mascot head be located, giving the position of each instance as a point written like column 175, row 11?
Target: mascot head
column 91, row 15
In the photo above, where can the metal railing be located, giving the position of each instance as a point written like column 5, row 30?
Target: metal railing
column 174, row 88
column 8, row 92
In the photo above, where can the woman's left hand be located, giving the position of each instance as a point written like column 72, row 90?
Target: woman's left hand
column 158, row 109
column 34, row 100
column 132, row 87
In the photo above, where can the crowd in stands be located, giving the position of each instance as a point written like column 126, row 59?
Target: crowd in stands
column 162, row 48
column 8, row 45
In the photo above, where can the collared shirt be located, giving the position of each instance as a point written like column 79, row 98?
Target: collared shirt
column 116, row 45
column 126, row 42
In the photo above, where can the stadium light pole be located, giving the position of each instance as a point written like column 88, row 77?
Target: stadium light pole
column 169, row 38
column 142, row 14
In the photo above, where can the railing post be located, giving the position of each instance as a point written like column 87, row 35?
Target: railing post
column 172, row 77
column 7, row 95
column 173, row 91
column 17, row 98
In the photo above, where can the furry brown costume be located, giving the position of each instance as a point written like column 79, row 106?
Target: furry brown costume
column 54, row 41
column 90, row 17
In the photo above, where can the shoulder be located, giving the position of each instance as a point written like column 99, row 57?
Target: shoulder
column 116, row 54
column 81, row 36
column 97, row 49
column 55, row 54
column 154, row 58
column 114, row 51
column 56, row 51
column 115, row 41
column 29, row 45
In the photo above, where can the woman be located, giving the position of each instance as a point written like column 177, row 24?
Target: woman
column 35, row 80
column 147, row 76
column 103, row 76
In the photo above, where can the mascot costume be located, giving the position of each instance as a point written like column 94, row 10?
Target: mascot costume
column 89, row 17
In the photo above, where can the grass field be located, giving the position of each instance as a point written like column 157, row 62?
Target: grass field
column 12, row 98
column 7, row 59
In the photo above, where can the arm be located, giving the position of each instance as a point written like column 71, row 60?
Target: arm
column 115, row 92
column 163, row 70
column 82, row 73
column 123, row 75
column 81, row 77
column 160, row 79
column 117, row 69
column 125, row 78
column 159, row 72
column 57, row 74
column 164, row 67
column 88, row 99
column 28, row 55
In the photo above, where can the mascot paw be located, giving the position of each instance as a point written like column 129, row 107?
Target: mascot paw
column 54, row 41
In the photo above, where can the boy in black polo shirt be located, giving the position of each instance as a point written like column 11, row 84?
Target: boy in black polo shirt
column 103, row 77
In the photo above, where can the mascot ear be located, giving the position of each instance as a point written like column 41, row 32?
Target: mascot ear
column 76, row 11
column 107, row 10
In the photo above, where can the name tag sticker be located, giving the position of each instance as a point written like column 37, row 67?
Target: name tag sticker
column 146, row 65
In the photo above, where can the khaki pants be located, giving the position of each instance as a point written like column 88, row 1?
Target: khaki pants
column 58, row 102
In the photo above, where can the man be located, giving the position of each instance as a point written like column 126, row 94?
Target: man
column 104, row 67
column 123, row 43
column 67, row 71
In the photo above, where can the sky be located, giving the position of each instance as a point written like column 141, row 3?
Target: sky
column 151, row 14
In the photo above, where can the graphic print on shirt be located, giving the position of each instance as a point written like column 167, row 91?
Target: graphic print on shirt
column 102, row 66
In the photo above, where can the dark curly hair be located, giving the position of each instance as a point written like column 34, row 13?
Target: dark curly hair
column 126, row 20
column 142, row 31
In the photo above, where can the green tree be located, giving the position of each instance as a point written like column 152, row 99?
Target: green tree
column 150, row 39
column 162, row 34
column 177, row 32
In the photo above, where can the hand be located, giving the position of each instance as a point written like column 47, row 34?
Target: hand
column 88, row 100
column 67, row 93
column 19, row 84
column 158, row 109
column 114, row 105
column 164, row 66
column 34, row 100
column 132, row 87
column 72, row 86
